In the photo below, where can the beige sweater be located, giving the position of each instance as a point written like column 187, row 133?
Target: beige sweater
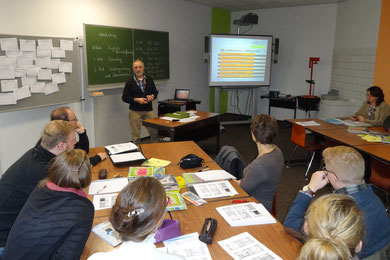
column 381, row 113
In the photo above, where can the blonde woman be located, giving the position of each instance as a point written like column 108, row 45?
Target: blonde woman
column 56, row 220
column 137, row 214
column 334, row 229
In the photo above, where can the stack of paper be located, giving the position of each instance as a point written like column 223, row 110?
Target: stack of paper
column 214, row 175
column 245, row 246
column 107, row 232
column 214, row 189
column 121, row 148
column 126, row 157
column 308, row 123
column 246, row 214
column 107, row 186
column 188, row 246
column 169, row 182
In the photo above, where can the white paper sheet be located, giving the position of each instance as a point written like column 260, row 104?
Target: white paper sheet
column 30, row 54
column 31, row 71
column 43, row 53
column 38, row 87
column 104, row 201
column 13, row 53
column 56, row 52
column 245, row 214
column 66, row 45
column 9, row 44
column 27, row 45
column 7, row 61
column 45, row 44
column 245, row 246
column 107, row 186
column 28, row 81
column 21, row 93
column 58, row 78
column 7, row 99
column 50, row 88
column 121, row 148
column 20, row 72
column 54, row 63
column 7, row 72
column 44, row 74
column 65, row 67
column 308, row 123
column 9, row 85
column 215, row 175
column 106, row 232
column 214, row 189
column 127, row 157
column 24, row 61
column 43, row 62
column 188, row 246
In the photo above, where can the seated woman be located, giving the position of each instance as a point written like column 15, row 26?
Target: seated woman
column 334, row 228
column 262, row 175
column 56, row 220
column 375, row 110
column 138, row 212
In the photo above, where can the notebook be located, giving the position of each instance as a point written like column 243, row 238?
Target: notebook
column 181, row 95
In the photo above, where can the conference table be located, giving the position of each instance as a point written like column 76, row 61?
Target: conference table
column 338, row 134
column 272, row 236
column 205, row 126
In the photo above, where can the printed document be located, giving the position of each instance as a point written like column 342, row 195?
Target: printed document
column 188, row 246
column 245, row 246
column 217, row 189
column 107, row 186
column 121, row 148
column 105, row 201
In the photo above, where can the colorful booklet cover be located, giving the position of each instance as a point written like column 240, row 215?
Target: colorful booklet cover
column 156, row 172
column 176, row 201
column 169, row 182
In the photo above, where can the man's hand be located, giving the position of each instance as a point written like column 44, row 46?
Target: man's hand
column 80, row 128
column 318, row 180
column 238, row 181
column 103, row 156
column 150, row 98
column 141, row 100
column 354, row 118
column 361, row 119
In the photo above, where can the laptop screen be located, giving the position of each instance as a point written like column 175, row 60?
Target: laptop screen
column 182, row 94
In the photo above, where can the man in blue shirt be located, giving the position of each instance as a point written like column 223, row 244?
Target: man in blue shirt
column 345, row 172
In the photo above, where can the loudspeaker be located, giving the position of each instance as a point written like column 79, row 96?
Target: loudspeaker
column 206, row 44
column 276, row 51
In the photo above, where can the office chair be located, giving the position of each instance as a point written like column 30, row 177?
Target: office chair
column 380, row 177
column 298, row 137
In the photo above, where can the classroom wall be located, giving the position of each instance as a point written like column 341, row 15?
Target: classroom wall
column 304, row 32
column 105, row 118
column 355, row 48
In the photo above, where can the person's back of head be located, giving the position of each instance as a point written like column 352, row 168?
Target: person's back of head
column 346, row 163
column 264, row 129
column 55, row 132
column 70, row 169
column 334, row 228
column 60, row 113
column 139, row 209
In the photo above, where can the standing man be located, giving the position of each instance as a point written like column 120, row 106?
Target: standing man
column 139, row 92
column 21, row 178
column 66, row 114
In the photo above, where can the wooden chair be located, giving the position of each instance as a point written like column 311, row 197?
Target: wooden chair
column 380, row 177
column 298, row 137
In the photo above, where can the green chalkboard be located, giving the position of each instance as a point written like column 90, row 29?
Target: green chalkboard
column 110, row 52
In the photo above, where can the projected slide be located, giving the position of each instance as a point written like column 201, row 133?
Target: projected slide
column 241, row 61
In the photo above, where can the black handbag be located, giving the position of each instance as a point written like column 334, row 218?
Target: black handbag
column 190, row 161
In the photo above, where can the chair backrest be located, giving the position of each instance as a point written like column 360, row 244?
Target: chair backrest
column 380, row 174
column 274, row 210
column 298, row 135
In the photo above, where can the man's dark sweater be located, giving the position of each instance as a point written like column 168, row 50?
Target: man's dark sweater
column 17, row 183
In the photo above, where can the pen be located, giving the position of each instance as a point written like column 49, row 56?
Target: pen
column 239, row 201
column 203, row 170
column 101, row 189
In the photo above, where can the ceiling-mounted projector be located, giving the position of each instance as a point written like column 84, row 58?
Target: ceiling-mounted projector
column 247, row 19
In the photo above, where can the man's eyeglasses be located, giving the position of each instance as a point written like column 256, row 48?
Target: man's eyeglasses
column 74, row 119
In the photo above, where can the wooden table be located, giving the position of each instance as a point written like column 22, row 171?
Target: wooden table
column 272, row 235
column 206, row 126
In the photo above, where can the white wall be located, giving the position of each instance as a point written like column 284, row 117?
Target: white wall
column 304, row 32
column 186, row 23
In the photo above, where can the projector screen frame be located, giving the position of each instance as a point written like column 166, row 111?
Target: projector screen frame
column 241, row 84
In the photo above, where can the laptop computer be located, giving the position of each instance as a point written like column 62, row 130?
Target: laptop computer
column 181, row 95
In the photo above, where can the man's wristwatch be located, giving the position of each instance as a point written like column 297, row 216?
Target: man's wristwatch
column 308, row 191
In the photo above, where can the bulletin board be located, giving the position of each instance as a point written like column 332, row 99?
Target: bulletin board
column 110, row 52
column 48, row 66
